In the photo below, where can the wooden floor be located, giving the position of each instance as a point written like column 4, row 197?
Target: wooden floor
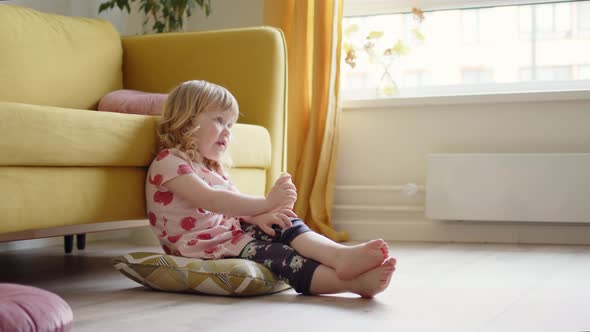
column 437, row 287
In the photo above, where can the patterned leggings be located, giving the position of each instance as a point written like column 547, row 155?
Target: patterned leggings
column 276, row 254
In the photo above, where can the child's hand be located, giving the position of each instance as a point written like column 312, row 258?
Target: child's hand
column 282, row 218
column 283, row 194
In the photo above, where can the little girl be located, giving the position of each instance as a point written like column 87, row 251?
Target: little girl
column 196, row 211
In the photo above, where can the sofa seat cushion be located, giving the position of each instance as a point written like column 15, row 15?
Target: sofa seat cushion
column 44, row 197
column 34, row 135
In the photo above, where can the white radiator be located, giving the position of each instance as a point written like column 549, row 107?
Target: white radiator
column 509, row 187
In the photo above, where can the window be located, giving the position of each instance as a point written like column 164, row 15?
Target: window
column 470, row 24
column 408, row 26
column 476, row 75
column 583, row 18
column 358, row 79
column 415, row 78
column 546, row 21
column 546, row 73
column 584, row 72
column 494, row 49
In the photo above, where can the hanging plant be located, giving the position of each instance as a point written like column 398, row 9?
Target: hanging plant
column 380, row 51
column 167, row 15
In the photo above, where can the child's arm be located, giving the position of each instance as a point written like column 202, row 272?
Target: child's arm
column 281, row 217
column 191, row 188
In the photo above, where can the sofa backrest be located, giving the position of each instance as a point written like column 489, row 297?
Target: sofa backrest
column 56, row 60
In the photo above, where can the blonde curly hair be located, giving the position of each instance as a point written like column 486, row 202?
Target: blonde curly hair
column 177, row 126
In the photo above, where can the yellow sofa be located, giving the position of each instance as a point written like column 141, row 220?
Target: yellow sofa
column 66, row 168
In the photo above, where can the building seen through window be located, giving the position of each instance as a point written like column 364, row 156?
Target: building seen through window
column 466, row 48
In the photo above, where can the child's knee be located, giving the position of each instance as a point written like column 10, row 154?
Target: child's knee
column 298, row 228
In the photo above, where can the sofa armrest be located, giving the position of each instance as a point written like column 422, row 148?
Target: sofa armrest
column 251, row 63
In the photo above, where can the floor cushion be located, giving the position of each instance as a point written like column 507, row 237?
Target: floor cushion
column 26, row 308
column 230, row 277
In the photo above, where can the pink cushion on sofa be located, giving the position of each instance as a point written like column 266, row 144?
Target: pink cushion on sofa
column 25, row 308
column 133, row 102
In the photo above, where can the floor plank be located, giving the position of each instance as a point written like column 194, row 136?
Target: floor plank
column 437, row 287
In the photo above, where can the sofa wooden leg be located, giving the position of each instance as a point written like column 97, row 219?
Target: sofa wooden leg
column 68, row 243
column 81, row 241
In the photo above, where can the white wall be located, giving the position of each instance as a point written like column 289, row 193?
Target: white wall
column 55, row 6
column 86, row 8
column 389, row 146
column 225, row 14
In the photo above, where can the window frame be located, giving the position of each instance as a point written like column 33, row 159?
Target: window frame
column 552, row 89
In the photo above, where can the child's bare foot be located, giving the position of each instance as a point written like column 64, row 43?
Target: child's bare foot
column 376, row 280
column 360, row 258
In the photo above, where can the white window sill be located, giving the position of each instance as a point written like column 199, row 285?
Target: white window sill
column 481, row 94
column 487, row 98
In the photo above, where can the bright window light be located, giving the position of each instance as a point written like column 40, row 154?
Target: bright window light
column 501, row 49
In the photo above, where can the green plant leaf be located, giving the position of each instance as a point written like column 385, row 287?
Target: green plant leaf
column 375, row 34
column 146, row 6
column 400, row 48
column 168, row 15
column 389, row 89
column 121, row 4
column 208, row 8
column 351, row 29
column 347, row 46
column 159, row 27
column 104, row 6
column 418, row 35
column 171, row 23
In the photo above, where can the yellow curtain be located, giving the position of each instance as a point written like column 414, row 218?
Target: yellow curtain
column 312, row 30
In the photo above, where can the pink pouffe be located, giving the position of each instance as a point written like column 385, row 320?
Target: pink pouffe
column 25, row 308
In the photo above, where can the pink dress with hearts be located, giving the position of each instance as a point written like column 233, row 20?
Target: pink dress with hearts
column 183, row 229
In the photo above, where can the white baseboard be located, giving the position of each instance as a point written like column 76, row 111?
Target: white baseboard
column 376, row 211
column 464, row 231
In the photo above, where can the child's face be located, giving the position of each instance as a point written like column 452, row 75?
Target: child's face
column 213, row 134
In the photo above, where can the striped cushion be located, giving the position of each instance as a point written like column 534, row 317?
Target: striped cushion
column 230, row 277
